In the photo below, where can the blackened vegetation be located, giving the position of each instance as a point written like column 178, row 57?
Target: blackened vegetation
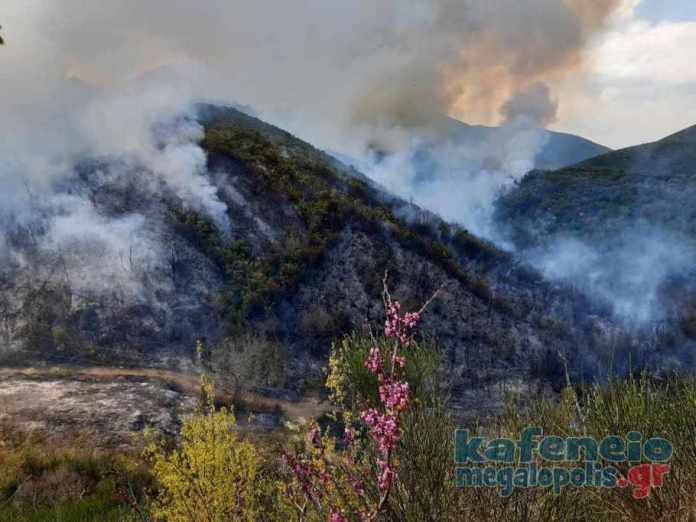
column 312, row 205
column 301, row 265
column 325, row 203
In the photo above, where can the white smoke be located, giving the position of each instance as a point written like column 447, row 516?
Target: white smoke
column 141, row 127
column 629, row 277
column 148, row 123
column 83, row 79
column 99, row 255
column 459, row 178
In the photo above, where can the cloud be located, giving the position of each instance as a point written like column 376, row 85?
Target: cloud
column 639, row 85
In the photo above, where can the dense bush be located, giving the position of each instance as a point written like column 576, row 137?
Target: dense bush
column 249, row 360
column 212, row 475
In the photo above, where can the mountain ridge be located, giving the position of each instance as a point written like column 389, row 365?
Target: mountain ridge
column 302, row 264
column 561, row 148
column 621, row 226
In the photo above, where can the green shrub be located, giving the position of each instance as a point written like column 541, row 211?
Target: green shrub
column 212, row 476
column 352, row 385
column 250, row 359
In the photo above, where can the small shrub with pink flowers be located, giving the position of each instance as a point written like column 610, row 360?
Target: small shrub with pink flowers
column 372, row 390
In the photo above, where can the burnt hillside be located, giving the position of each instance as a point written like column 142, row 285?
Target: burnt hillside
column 300, row 264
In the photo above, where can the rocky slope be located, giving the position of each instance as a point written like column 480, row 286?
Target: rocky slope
column 297, row 261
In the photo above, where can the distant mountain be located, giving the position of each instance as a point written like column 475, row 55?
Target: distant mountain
column 646, row 186
column 554, row 149
column 302, row 263
column 448, row 146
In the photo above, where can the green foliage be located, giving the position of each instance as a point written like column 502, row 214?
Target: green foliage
column 39, row 482
column 212, row 476
column 200, row 230
column 665, row 409
column 352, row 386
column 657, row 409
column 326, row 201
column 427, row 489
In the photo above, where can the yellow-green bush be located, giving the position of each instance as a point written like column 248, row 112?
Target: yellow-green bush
column 211, row 476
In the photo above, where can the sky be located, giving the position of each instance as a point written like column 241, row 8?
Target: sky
column 640, row 82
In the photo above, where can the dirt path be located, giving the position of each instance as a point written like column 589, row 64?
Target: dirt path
column 186, row 384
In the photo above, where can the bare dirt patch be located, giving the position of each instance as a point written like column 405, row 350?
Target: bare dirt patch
column 111, row 405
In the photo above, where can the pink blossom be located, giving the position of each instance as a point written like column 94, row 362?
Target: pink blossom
column 305, row 473
column 399, row 326
column 394, row 395
column 337, row 516
column 384, row 429
column 374, row 361
column 399, row 362
column 387, row 476
column 383, row 420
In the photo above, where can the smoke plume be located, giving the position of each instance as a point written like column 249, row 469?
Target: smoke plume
column 534, row 104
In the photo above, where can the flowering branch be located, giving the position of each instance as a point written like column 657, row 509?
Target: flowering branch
column 383, row 421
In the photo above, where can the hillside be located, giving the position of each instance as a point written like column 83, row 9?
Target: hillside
column 302, row 263
column 647, row 186
column 621, row 227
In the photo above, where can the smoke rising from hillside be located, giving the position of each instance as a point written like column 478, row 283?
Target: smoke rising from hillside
column 630, row 277
column 81, row 78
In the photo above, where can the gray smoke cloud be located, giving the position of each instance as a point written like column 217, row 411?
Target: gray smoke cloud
column 534, row 104
column 389, row 63
column 629, row 278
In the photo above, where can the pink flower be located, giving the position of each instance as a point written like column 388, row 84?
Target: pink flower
column 398, row 361
column 384, row 429
column 394, row 395
column 387, row 476
column 374, row 361
column 305, row 473
column 399, row 326
column 337, row 516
